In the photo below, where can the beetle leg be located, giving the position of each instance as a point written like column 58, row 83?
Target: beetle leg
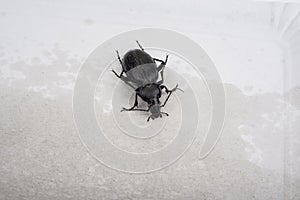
column 140, row 45
column 164, row 113
column 123, row 78
column 134, row 109
column 162, row 62
column 120, row 62
column 159, row 60
column 169, row 92
column 119, row 76
column 161, row 74
column 162, row 77
column 161, row 68
column 149, row 118
column 135, row 104
column 167, row 99
column 119, row 58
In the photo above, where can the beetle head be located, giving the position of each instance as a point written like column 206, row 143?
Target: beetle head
column 155, row 111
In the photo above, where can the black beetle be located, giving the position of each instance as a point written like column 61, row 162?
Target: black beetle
column 142, row 75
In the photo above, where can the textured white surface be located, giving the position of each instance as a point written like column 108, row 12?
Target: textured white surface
column 255, row 47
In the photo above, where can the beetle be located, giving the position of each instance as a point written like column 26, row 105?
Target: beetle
column 142, row 75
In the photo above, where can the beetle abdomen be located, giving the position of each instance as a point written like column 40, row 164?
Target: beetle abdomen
column 136, row 57
column 143, row 74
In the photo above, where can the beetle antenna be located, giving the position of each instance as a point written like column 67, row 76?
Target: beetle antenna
column 164, row 113
column 180, row 89
column 139, row 45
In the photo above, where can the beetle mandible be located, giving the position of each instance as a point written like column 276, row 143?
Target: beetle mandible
column 142, row 75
